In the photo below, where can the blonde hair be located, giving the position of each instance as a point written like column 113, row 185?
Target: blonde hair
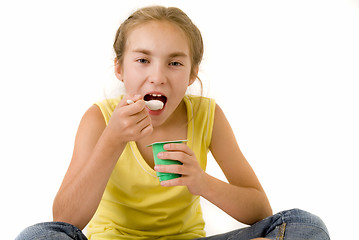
column 159, row 13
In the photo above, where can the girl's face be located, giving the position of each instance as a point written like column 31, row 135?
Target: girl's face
column 157, row 65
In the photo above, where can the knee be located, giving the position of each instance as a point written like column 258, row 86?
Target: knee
column 33, row 232
column 50, row 230
column 298, row 216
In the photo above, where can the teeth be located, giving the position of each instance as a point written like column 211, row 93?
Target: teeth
column 156, row 95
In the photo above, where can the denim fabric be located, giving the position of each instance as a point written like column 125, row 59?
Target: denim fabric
column 51, row 231
column 293, row 224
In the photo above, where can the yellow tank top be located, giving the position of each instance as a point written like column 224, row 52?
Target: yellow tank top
column 135, row 205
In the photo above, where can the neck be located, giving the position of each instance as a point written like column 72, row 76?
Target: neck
column 174, row 128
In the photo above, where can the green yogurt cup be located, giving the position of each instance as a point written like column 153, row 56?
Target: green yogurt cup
column 157, row 147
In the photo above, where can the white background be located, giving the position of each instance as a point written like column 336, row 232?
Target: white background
column 285, row 73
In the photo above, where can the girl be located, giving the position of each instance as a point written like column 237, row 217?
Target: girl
column 111, row 183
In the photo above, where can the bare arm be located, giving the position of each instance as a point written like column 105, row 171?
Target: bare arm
column 243, row 198
column 92, row 163
column 97, row 149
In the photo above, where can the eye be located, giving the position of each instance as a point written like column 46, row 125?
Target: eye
column 142, row 60
column 176, row 64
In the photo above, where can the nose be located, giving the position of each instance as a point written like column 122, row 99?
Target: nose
column 157, row 74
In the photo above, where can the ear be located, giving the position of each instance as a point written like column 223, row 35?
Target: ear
column 193, row 76
column 118, row 70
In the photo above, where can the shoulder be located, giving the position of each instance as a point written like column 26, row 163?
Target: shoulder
column 220, row 120
column 92, row 120
column 97, row 116
column 222, row 136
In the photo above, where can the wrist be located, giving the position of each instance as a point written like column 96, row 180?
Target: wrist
column 111, row 142
column 207, row 186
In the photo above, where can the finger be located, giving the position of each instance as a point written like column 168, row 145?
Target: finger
column 179, row 156
column 180, row 181
column 140, row 116
column 136, row 108
column 137, row 123
column 144, row 123
column 173, row 168
column 122, row 103
column 128, row 99
column 147, row 130
column 132, row 98
column 178, row 147
column 132, row 109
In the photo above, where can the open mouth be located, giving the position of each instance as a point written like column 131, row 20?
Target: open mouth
column 153, row 96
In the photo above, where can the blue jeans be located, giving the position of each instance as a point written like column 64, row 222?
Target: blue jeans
column 288, row 225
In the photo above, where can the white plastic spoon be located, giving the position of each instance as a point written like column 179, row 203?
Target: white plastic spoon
column 152, row 104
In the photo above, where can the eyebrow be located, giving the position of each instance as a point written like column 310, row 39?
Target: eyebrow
column 144, row 51
column 178, row 54
column 171, row 55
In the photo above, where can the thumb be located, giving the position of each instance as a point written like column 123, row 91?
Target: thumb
column 128, row 99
